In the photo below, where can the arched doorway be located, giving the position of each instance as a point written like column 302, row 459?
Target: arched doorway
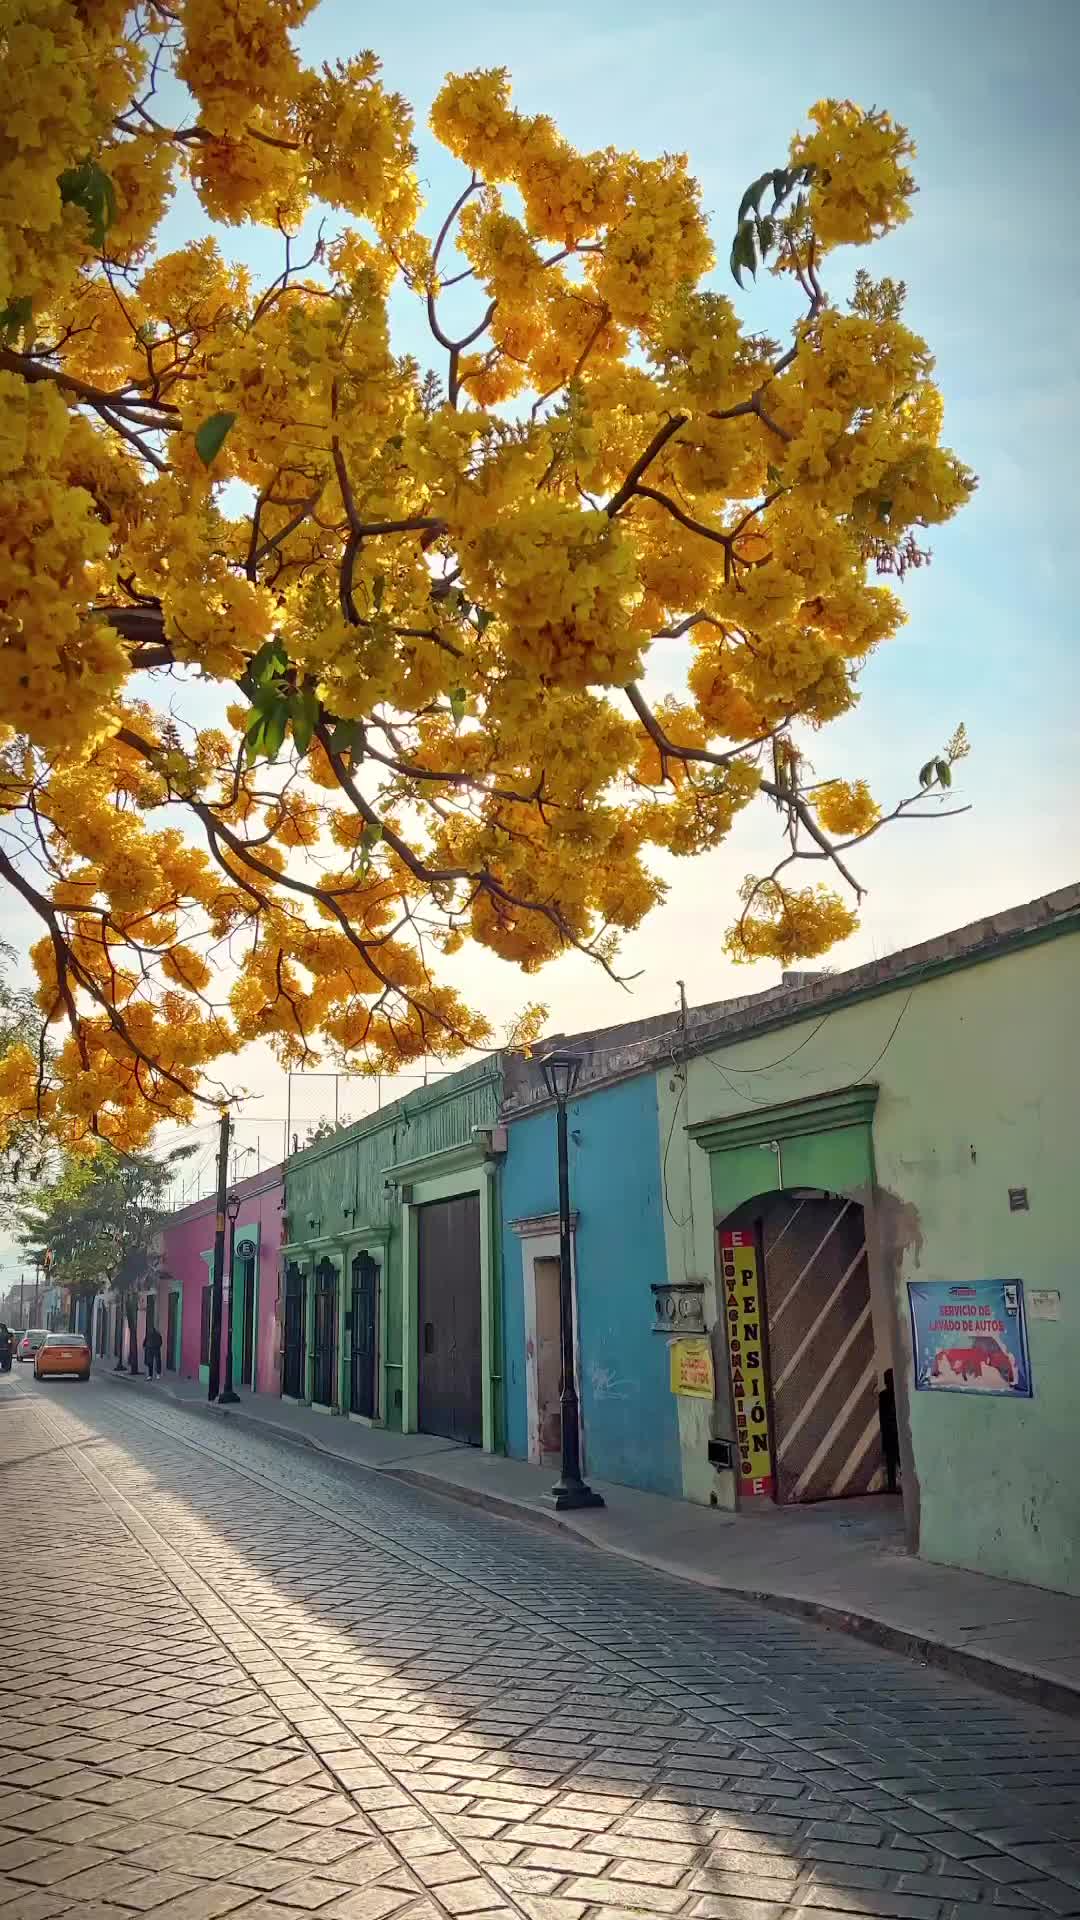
column 805, row 1369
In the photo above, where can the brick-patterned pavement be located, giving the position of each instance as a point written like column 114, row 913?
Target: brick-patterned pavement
column 242, row 1679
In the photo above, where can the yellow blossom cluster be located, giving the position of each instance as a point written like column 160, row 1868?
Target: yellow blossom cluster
column 846, row 807
column 788, row 923
column 318, row 659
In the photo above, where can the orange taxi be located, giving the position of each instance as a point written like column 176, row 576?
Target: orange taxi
column 63, row 1353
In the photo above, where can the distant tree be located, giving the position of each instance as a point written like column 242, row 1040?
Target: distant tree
column 325, row 1129
column 99, row 1223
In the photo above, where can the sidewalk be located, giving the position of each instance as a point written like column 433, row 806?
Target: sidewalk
column 842, row 1563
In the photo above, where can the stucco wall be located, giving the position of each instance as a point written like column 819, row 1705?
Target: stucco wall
column 978, row 1093
column 339, row 1188
column 188, row 1235
column 628, row 1413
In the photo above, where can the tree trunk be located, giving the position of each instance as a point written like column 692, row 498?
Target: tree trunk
column 133, row 1331
column 118, row 1340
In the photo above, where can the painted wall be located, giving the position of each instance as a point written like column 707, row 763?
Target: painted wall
column 978, row 1093
column 336, row 1193
column 189, row 1235
column 629, row 1419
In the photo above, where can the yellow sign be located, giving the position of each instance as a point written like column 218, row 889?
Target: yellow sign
column 692, row 1369
column 746, row 1356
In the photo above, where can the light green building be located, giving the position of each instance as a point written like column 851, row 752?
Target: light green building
column 389, row 1301
column 913, row 1121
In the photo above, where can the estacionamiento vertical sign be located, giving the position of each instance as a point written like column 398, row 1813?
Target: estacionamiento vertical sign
column 746, row 1359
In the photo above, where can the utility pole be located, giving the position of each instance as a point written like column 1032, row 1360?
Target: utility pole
column 219, row 1254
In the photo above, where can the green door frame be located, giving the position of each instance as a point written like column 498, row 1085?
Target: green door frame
column 449, row 1176
column 826, row 1141
column 376, row 1242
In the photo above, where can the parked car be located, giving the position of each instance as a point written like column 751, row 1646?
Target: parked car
column 34, row 1338
column 63, row 1353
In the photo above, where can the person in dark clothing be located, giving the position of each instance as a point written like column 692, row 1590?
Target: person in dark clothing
column 890, row 1437
column 151, row 1347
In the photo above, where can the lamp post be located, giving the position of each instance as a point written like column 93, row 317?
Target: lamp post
column 561, row 1076
column 227, row 1397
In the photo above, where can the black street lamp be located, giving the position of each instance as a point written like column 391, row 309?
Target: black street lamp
column 227, row 1397
column 561, row 1076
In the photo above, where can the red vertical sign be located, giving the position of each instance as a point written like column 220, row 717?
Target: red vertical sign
column 746, row 1359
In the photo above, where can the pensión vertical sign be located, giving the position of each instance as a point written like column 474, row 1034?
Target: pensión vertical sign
column 746, row 1359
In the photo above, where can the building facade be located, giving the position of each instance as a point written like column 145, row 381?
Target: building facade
column 629, row 1420
column 391, row 1268
column 866, row 1153
column 179, row 1304
column 822, row 1247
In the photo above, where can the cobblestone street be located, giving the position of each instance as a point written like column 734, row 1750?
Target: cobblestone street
column 242, row 1679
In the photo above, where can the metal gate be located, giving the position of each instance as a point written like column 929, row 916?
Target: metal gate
column 450, row 1374
column 324, row 1336
column 170, row 1332
column 362, row 1322
column 822, row 1362
column 247, row 1323
column 293, row 1357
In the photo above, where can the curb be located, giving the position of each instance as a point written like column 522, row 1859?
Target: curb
column 998, row 1675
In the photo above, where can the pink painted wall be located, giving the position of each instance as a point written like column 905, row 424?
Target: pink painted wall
column 189, row 1234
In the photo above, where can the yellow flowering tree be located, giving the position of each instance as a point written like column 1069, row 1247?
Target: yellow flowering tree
column 427, row 595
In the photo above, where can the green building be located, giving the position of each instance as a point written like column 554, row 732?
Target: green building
column 389, row 1309
column 870, row 1187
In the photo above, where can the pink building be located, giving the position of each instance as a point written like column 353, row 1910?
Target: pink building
column 183, row 1294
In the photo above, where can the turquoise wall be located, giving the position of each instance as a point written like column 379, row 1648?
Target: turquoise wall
column 629, row 1420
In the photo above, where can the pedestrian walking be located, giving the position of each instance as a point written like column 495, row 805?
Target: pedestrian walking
column 151, row 1347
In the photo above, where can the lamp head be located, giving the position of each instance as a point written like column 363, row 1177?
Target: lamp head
column 561, row 1072
column 232, row 1207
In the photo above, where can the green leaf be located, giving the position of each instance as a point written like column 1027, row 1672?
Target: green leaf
column 744, row 251
column 88, row 187
column 483, row 619
column 782, row 183
column 773, row 475
column 752, row 196
column 766, row 232
column 378, row 588
column 371, row 835
column 944, row 773
column 16, row 317
column 884, row 511
column 276, row 721
column 926, row 773
column 304, row 713
column 212, row 435
column 264, row 666
column 253, row 736
column 457, row 704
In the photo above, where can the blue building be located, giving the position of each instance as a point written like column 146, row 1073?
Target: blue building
column 629, row 1418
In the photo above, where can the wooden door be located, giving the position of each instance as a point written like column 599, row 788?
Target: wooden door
column 293, row 1357
column 822, row 1362
column 247, row 1322
column 450, row 1372
column 324, row 1336
column 170, row 1332
column 204, row 1327
column 362, row 1338
column 548, row 1357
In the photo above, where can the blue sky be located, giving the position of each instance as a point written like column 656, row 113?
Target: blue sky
column 988, row 89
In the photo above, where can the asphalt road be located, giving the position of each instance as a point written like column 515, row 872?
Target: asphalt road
column 242, row 1678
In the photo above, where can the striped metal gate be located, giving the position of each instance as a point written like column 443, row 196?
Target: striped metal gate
column 822, row 1362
